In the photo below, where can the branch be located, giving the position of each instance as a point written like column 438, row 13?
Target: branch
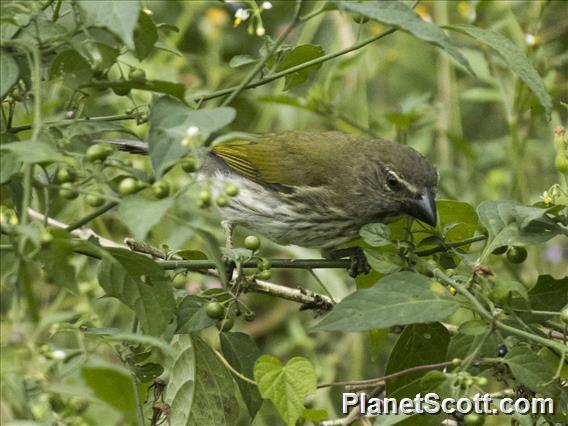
column 193, row 265
column 78, row 120
column 309, row 299
column 82, row 234
column 484, row 313
column 284, row 73
column 370, row 383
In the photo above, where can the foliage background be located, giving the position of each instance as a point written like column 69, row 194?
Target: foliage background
column 489, row 136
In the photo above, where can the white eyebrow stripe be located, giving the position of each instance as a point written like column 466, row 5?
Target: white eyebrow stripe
column 408, row 185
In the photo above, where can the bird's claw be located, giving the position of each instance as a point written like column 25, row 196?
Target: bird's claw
column 359, row 264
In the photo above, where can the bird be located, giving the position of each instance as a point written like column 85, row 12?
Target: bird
column 317, row 189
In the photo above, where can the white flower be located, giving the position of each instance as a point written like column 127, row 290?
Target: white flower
column 547, row 198
column 58, row 354
column 266, row 5
column 531, row 40
column 242, row 14
column 260, row 31
column 192, row 131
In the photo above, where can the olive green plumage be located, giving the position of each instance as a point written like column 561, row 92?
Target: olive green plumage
column 318, row 189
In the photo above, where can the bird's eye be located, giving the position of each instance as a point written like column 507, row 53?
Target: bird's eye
column 392, row 181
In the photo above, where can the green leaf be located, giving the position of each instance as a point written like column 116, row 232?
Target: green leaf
column 113, row 385
column 297, row 56
column 474, row 327
column 139, row 283
column 419, row 344
column 285, row 385
column 176, row 90
column 9, row 162
column 191, row 315
column 141, row 214
column 528, row 368
column 72, row 67
column 241, row 352
column 505, row 287
column 145, row 36
column 383, row 262
column 315, row 416
column 511, row 224
column 120, row 17
column 376, row 234
column 513, row 56
column 169, row 121
column 399, row 15
column 181, row 386
column 32, row 152
column 215, row 401
column 458, row 218
column 462, row 344
column 9, row 72
column 398, row 299
column 549, row 294
column 56, row 261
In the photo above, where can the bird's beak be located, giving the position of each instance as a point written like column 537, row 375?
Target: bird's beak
column 424, row 208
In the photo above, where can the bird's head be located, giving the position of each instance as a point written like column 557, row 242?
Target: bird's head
column 405, row 181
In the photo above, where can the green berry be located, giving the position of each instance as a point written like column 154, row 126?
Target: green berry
column 500, row 250
column 222, row 201
column 252, row 242
column 360, row 19
column 205, row 197
column 264, row 275
column 250, row 316
column 94, row 200
column 516, row 254
column 224, row 325
column 564, row 314
column 98, row 152
column 188, row 165
column 46, row 237
column 481, row 381
column 215, row 310
column 128, row 185
column 121, row 90
column 264, row 263
column 232, row 190
column 65, row 174
column 474, row 419
column 137, row 74
column 161, row 189
column 68, row 191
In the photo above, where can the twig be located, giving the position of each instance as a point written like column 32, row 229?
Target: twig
column 78, row 120
column 446, row 246
column 138, row 400
column 480, row 309
column 232, row 370
column 91, row 216
column 83, row 233
column 369, row 383
column 309, row 299
column 276, row 263
column 284, row 73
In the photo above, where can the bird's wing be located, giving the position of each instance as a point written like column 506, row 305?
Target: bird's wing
column 288, row 158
